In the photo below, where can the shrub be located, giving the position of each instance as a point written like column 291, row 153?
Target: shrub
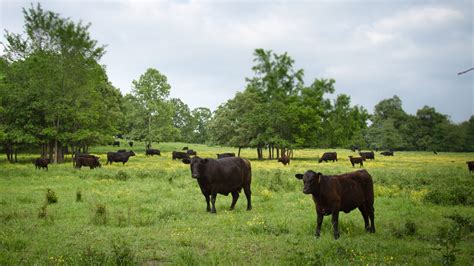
column 78, row 196
column 121, row 175
column 51, row 196
column 100, row 216
column 122, row 253
column 452, row 194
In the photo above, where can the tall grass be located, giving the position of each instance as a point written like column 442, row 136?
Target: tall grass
column 150, row 211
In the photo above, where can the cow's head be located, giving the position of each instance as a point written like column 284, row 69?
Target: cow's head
column 311, row 180
column 132, row 153
column 197, row 166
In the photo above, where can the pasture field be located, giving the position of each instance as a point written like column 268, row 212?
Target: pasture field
column 151, row 211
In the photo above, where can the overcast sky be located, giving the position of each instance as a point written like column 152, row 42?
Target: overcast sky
column 373, row 49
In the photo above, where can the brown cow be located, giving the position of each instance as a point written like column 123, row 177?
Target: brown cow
column 367, row 155
column 42, row 163
column 470, row 166
column 328, row 156
column 355, row 160
column 284, row 160
column 223, row 176
column 336, row 193
column 90, row 161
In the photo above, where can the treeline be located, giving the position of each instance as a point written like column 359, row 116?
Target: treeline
column 55, row 97
column 278, row 111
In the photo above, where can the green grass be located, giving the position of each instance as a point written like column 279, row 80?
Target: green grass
column 151, row 211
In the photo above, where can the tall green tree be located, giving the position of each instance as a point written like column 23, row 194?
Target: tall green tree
column 151, row 91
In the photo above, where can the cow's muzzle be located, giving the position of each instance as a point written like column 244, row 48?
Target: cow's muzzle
column 195, row 176
column 306, row 191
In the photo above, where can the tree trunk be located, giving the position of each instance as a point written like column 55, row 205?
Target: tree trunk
column 239, row 151
column 278, row 152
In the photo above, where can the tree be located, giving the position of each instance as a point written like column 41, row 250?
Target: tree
column 54, row 87
column 183, row 121
column 151, row 91
column 201, row 116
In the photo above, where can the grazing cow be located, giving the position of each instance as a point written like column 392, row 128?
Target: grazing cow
column 336, row 193
column 284, row 160
column 354, row 148
column 225, row 155
column 223, row 176
column 185, row 148
column 387, row 153
column 116, row 143
column 119, row 157
column 328, row 156
column 435, row 152
column 191, row 152
column 368, row 155
column 354, row 160
column 180, row 155
column 91, row 161
column 42, row 163
column 130, row 143
column 152, row 152
column 122, row 151
column 470, row 166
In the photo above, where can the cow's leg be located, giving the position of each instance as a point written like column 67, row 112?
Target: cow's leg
column 319, row 222
column 365, row 215
column 335, row 223
column 371, row 216
column 235, row 197
column 213, row 201
column 248, row 195
column 207, row 196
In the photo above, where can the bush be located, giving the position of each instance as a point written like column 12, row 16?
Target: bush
column 78, row 196
column 51, row 196
column 123, row 254
column 121, row 175
column 451, row 194
column 100, row 216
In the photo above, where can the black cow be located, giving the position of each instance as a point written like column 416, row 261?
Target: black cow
column 223, row 176
column 328, row 156
column 152, row 152
column 116, row 143
column 284, row 160
column 42, row 163
column 470, row 166
column 336, row 193
column 359, row 160
column 367, row 155
column 130, row 143
column 122, row 151
column 185, row 148
column 387, row 153
column 119, row 157
column 180, row 155
column 90, row 161
column 225, row 155
column 354, row 148
column 191, row 152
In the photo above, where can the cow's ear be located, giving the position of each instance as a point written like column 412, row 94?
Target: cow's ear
column 299, row 176
column 186, row 161
column 205, row 160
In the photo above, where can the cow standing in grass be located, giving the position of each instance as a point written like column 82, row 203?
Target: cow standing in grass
column 328, row 156
column 42, row 163
column 119, row 157
column 222, row 176
column 470, row 166
column 332, row 194
column 284, row 160
column 354, row 160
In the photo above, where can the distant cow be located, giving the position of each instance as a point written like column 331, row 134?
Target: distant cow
column 435, row 152
column 470, row 166
column 355, row 160
column 368, row 155
column 180, row 155
column 119, row 157
column 152, row 152
column 387, row 153
column 225, row 155
column 191, row 152
column 185, row 148
column 328, row 156
column 116, row 143
column 354, row 148
column 336, row 193
column 223, row 176
column 284, row 160
column 42, row 163
column 90, row 161
column 130, row 143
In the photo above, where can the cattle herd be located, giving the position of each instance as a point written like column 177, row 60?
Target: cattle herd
column 229, row 175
